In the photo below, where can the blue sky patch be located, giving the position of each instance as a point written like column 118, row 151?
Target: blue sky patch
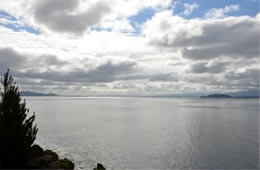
column 14, row 26
column 3, row 14
column 247, row 7
column 140, row 18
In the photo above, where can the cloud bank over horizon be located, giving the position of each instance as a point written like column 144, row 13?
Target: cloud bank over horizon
column 137, row 47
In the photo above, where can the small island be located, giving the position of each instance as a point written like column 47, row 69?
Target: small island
column 216, row 96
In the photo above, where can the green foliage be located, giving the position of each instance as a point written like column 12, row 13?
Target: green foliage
column 65, row 163
column 17, row 132
column 52, row 153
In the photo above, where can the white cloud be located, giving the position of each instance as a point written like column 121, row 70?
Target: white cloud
column 118, row 25
column 132, row 7
column 172, row 54
column 221, row 12
column 79, row 16
column 203, row 39
column 65, row 17
column 188, row 8
column 212, row 48
column 165, row 28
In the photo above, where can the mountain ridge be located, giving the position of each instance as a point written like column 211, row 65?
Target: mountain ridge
column 30, row 93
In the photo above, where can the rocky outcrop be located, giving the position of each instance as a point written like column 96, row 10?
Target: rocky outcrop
column 99, row 167
column 47, row 159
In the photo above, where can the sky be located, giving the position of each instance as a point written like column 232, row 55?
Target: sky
column 131, row 47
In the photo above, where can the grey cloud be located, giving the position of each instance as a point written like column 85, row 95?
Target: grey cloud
column 58, row 15
column 234, row 37
column 38, row 82
column 10, row 59
column 199, row 68
column 104, row 73
column 223, row 31
column 233, row 50
column 110, row 72
column 224, row 38
column 29, row 70
column 124, row 86
column 49, row 60
column 249, row 77
column 163, row 77
column 232, row 79
column 107, row 72
column 202, row 67
column 140, row 74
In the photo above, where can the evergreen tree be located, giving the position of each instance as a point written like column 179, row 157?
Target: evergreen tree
column 17, row 132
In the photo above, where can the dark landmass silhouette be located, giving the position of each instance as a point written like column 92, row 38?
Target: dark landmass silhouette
column 216, row 96
column 30, row 93
column 251, row 93
column 228, row 96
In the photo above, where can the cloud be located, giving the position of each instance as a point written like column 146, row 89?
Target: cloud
column 79, row 16
column 18, row 61
column 118, row 25
column 62, row 15
column 204, row 67
column 49, row 60
column 165, row 77
column 220, row 38
column 203, row 39
column 188, row 8
column 249, row 76
column 110, row 71
column 48, row 67
column 133, row 7
column 10, row 59
column 221, row 12
column 231, row 78
column 172, row 54
column 103, row 73
column 107, row 72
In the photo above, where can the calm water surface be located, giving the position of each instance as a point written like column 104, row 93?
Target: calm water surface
column 150, row 133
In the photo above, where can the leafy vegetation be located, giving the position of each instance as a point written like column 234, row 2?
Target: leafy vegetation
column 52, row 153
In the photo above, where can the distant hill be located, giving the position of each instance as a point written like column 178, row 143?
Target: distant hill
column 216, row 96
column 30, row 93
column 252, row 93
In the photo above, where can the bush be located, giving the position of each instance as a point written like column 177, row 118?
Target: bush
column 65, row 163
column 52, row 153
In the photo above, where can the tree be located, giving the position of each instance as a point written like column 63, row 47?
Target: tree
column 17, row 132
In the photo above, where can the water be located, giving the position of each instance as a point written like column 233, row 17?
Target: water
column 150, row 133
